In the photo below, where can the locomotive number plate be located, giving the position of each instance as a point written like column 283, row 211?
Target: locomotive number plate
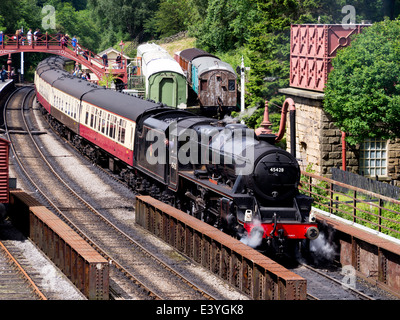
column 276, row 170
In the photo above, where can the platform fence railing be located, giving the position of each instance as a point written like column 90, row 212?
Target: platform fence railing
column 361, row 206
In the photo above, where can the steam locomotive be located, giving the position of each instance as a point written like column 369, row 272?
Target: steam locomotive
column 219, row 172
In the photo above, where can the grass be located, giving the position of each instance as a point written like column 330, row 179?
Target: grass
column 367, row 210
column 179, row 45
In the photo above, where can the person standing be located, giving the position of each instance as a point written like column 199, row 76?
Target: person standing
column 39, row 37
column 105, row 60
column 3, row 74
column 29, row 37
column 74, row 42
column 119, row 61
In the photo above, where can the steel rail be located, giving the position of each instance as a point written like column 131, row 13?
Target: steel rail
column 346, row 286
column 22, row 271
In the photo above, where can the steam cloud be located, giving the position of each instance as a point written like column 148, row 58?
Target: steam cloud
column 255, row 237
column 322, row 248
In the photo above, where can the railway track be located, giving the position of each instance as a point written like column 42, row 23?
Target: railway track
column 327, row 280
column 137, row 272
column 15, row 282
column 322, row 286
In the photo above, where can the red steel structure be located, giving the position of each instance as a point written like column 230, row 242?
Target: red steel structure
column 49, row 43
column 312, row 47
column 4, row 171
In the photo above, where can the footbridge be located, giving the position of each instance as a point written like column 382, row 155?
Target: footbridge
column 53, row 44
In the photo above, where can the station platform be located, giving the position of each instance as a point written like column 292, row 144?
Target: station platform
column 5, row 84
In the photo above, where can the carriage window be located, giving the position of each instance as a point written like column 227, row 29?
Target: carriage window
column 111, row 134
column 103, row 123
column 107, row 124
column 92, row 118
column 203, row 84
column 121, row 133
column 95, row 119
column 87, row 115
column 99, row 121
column 231, row 85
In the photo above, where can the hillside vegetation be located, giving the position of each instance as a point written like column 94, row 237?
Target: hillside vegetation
column 258, row 30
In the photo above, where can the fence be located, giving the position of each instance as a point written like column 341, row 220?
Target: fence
column 368, row 208
column 137, row 83
column 358, row 181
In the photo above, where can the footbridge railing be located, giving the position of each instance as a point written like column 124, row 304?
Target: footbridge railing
column 59, row 45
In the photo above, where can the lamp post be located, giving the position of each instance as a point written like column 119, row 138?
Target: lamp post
column 22, row 60
column 121, row 45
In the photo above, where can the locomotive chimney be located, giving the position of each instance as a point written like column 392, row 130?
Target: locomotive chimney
column 265, row 132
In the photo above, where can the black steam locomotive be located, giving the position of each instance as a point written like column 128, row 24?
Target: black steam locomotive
column 219, row 172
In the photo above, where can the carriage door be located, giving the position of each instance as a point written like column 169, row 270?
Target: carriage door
column 218, row 85
column 173, row 161
column 167, row 92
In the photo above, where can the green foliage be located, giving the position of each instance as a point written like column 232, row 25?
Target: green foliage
column 367, row 212
column 108, row 79
column 319, row 189
column 225, row 25
column 171, row 17
column 122, row 17
column 363, row 90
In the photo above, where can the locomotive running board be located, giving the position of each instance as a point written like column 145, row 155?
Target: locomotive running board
column 220, row 189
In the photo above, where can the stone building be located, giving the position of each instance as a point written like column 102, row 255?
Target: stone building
column 319, row 143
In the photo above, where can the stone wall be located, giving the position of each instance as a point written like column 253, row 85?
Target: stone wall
column 318, row 140
column 394, row 161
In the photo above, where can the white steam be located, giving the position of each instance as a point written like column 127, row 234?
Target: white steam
column 322, row 248
column 255, row 237
column 246, row 113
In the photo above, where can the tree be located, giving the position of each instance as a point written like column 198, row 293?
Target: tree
column 225, row 25
column 126, row 16
column 363, row 91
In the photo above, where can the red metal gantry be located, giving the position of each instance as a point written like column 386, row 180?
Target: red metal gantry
column 4, row 171
column 312, row 47
column 49, row 43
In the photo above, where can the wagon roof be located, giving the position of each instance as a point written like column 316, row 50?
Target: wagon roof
column 192, row 53
column 163, row 65
column 204, row 64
